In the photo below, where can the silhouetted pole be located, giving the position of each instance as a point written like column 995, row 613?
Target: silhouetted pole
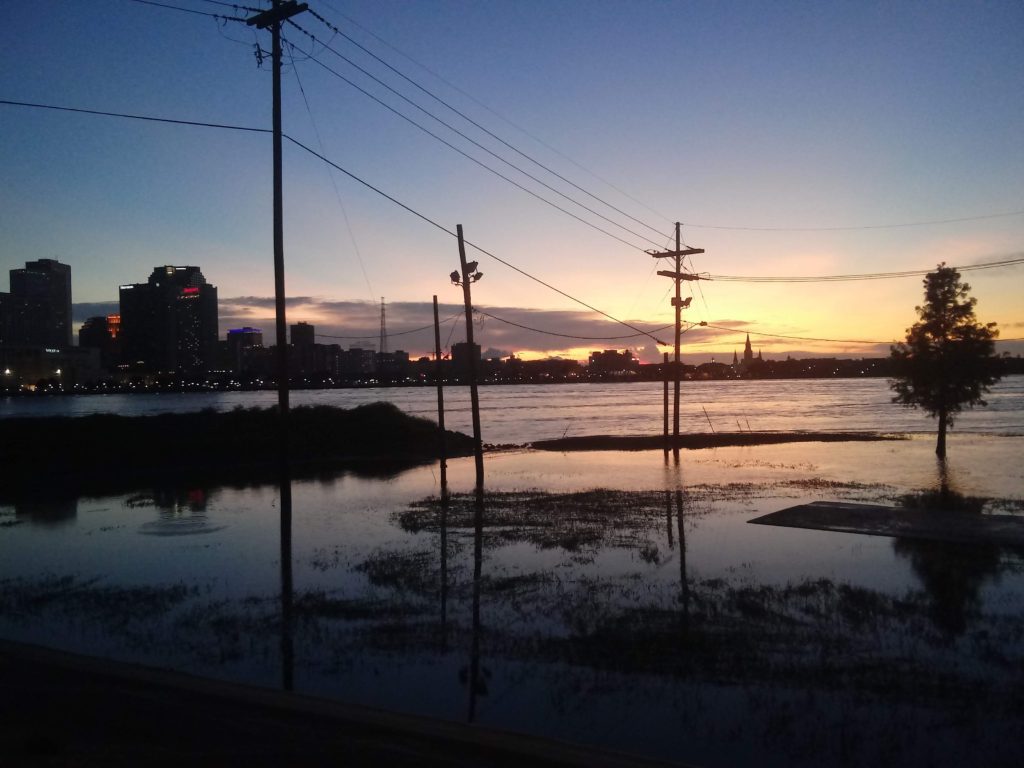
column 665, row 372
column 272, row 18
column 475, row 682
column 444, row 571
column 470, row 275
column 684, row 586
column 287, row 586
column 678, row 275
column 440, row 401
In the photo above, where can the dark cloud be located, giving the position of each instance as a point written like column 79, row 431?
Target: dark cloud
column 503, row 331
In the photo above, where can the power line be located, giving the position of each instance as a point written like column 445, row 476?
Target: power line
column 473, row 122
column 236, row 6
column 390, row 335
column 797, row 338
column 129, row 116
column 566, row 335
column 188, row 10
column 864, row 276
column 476, row 247
column 352, row 176
column 494, row 112
column 470, row 140
column 471, row 158
column 932, row 222
column 334, row 185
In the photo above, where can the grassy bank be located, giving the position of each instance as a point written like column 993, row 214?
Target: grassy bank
column 104, row 450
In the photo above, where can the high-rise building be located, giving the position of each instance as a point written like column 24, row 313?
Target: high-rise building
column 102, row 333
column 37, row 311
column 169, row 324
column 303, row 334
column 244, row 347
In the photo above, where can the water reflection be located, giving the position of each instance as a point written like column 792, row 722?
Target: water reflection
column 46, row 512
column 181, row 511
column 476, row 683
column 577, row 616
column 952, row 576
column 287, row 584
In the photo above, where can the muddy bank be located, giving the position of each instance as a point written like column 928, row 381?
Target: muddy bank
column 107, row 453
column 703, row 440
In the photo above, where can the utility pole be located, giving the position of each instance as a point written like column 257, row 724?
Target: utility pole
column 664, row 371
column 470, row 275
column 440, row 403
column 677, row 301
column 272, row 18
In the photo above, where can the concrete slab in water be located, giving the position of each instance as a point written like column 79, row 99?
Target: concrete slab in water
column 876, row 520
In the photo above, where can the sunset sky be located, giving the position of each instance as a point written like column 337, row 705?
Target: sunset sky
column 787, row 137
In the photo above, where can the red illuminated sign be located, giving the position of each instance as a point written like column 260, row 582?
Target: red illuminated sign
column 190, row 290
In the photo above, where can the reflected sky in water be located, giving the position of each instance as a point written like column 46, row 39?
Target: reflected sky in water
column 520, row 414
column 647, row 616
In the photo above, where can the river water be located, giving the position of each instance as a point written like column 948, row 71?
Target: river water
column 521, row 414
column 621, row 599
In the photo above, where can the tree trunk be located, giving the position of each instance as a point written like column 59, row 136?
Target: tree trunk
column 940, row 448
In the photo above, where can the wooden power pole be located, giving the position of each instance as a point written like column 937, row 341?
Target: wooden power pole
column 272, row 18
column 468, row 275
column 677, row 301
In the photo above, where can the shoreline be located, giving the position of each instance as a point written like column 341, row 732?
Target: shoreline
column 698, row 440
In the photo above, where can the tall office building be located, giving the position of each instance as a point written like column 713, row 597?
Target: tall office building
column 102, row 333
column 169, row 324
column 244, row 349
column 38, row 309
column 303, row 335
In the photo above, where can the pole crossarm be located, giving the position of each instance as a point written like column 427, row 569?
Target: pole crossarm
column 679, row 275
column 672, row 254
column 276, row 14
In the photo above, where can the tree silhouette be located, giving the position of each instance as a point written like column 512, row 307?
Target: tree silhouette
column 947, row 361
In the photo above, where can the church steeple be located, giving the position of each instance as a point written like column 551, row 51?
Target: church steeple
column 735, row 358
column 748, row 353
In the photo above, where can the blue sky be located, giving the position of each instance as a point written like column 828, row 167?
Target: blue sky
column 797, row 115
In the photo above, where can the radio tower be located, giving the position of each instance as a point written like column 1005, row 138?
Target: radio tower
column 383, row 347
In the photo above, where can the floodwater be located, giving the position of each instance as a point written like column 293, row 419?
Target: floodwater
column 613, row 598
column 521, row 414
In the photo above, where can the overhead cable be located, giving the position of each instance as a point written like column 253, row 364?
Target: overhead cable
column 470, row 140
column 797, row 338
column 479, row 311
column 928, row 223
column 864, row 276
column 472, row 245
column 397, row 333
column 188, row 10
column 473, row 122
column 129, row 116
column 334, row 184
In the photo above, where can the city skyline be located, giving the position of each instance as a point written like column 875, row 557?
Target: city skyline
column 795, row 117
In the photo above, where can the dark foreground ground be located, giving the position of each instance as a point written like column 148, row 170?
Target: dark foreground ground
column 59, row 709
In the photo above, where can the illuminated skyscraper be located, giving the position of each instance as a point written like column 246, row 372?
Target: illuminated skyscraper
column 169, row 324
